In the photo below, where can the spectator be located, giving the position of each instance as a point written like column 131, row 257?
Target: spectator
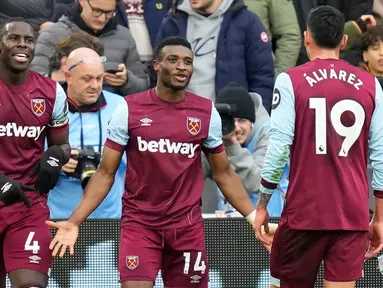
column 65, row 46
column 246, row 146
column 230, row 44
column 34, row 12
column 90, row 109
column 280, row 21
column 372, row 46
column 144, row 17
column 352, row 10
column 97, row 17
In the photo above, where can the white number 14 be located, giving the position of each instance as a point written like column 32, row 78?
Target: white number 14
column 198, row 265
column 350, row 133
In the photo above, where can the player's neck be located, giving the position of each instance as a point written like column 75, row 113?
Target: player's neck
column 169, row 95
column 13, row 78
column 324, row 54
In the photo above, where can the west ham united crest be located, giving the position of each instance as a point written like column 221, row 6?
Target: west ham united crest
column 132, row 262
column 193, row 125
column 38, row 106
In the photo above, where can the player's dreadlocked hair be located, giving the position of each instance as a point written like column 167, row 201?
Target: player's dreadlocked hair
column 67, row 44
column 326, row 25
column 171, row 41
column 3, row 26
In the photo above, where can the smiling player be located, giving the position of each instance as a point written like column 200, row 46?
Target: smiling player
column 163, row 132
column 33, row 108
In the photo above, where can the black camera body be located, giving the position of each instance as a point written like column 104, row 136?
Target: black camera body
column 228, row 121
column 88, row 161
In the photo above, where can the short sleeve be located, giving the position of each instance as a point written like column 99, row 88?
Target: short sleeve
column 60, row 108
column 213, row 143
column 117, row 132
column 376, row 143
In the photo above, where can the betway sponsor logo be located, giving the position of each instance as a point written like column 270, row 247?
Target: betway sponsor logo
column 166, row 146
column 12, row 130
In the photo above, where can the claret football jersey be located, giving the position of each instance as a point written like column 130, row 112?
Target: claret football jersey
column 26, row 113
column 330, row 114
column 163, row 143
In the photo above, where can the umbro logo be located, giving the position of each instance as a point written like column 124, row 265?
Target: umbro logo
column 6, row 187
column 146, row 121
column 53, row 162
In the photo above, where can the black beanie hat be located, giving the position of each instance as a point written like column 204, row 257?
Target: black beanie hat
column 242, row 106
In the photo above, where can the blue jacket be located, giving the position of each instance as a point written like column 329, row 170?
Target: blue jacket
column 154, row 12
column 64, row 198
column 242, row 55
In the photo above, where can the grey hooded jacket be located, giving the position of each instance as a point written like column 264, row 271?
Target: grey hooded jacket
column 248, row 165
column 119, row 46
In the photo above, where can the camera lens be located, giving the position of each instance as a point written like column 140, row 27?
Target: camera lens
column 87, row 171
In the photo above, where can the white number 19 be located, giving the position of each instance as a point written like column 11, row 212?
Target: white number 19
column 351, row 133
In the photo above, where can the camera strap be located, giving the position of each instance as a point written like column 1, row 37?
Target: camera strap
column 99, row 130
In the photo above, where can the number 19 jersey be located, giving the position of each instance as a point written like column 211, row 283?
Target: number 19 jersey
column 327, row 115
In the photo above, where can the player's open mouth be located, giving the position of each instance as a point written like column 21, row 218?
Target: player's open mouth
column 380, row 62
column 180, row 78
column 21, row 57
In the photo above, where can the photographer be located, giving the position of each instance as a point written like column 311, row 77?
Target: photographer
column 90, row 109
column 246, row 131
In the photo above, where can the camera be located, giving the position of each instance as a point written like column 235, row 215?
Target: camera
column 228, row 122
column 88, row 161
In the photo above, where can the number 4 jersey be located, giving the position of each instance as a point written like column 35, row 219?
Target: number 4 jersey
column 328, row 117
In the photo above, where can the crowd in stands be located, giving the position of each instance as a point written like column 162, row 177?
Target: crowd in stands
column 240, row 47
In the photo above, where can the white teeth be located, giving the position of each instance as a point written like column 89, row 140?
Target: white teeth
column 21, row 55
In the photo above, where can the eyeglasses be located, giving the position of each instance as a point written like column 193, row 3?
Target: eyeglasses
column 97, row 12
column 102, row 60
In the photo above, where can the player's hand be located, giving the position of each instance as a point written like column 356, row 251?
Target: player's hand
column 269, row 236
column 71, row 166
column 375, row 237
column 12, row 191
column 66, row 237
column 118, row 79
column 48, row 169
column 369, row 20
column 262, row 221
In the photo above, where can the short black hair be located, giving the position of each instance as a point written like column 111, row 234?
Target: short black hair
column 372, row 36
column 3, row 26
column 171, row 41
column 326, row 25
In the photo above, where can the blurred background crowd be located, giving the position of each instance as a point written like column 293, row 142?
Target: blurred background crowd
column 240, row 47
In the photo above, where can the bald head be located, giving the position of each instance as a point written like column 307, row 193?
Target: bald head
column 84, row 76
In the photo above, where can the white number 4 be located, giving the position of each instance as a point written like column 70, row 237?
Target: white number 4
column 198, row 265
column 350, row 134
column 31, row 245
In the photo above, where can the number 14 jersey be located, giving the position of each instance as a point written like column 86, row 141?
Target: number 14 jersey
column 327, row 116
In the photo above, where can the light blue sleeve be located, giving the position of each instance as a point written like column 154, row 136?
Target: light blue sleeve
column 282, row 128
column 214, row 138
column 118, row 125
column 60, row 108
column 376, row 140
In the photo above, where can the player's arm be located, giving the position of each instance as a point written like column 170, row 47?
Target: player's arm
column 225, row 177
column 376, row 153
column 281, row 137
column 101, row 182
column 58, row 129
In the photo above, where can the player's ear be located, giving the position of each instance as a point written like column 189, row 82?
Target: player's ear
column 306, row 40
column 343, row 42
column 156, row 65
